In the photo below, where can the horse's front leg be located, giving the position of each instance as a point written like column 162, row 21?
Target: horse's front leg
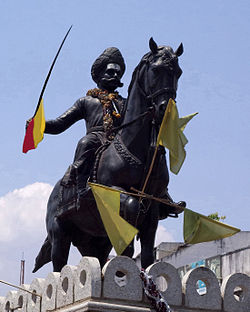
column 130, row 210
column 147, row 237
column 129, row 251
column 60, row 246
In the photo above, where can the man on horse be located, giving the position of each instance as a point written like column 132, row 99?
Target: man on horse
column 103, row 109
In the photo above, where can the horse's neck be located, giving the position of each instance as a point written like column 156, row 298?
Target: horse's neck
column 136, row 136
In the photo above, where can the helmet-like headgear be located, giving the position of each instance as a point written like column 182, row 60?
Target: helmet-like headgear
column 110, row 55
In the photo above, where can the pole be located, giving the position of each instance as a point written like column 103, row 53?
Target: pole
column 22, row 270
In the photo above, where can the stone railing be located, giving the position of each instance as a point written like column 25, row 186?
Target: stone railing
column 86, row 288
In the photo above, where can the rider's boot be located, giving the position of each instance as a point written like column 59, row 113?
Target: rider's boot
column 81, row 187
column 69, row 177
column 166, row 210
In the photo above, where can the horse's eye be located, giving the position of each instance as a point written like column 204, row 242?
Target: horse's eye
column 158, row 68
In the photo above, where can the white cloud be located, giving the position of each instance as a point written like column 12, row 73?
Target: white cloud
column 22, row 212
column 22, row 230
column 163, row 236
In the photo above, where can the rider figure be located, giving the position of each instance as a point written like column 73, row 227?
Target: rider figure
column 102, row 108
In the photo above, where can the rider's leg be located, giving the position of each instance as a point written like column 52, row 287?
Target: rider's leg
column 84, row 160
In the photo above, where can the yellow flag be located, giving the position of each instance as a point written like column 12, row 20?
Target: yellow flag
column 172, row 137
column 198, row 228
column 39, row 125
column 119, row 231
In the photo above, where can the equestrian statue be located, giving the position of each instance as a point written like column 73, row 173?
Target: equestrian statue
column 116, row 151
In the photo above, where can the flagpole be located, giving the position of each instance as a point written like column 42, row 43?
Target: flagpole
column 150, row 170
column 160, row 200
column 50, row 70
column 140, row 194
column 156, row 150
column 35, row 126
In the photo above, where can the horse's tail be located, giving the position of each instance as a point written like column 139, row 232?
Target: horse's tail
column 44, row 255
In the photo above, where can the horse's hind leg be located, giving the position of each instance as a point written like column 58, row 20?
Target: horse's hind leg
column 98, row 247
column 60, row 246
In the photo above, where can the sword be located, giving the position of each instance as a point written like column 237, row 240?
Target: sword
column 50, row 70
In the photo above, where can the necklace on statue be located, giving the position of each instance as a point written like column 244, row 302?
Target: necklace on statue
column 109, row 111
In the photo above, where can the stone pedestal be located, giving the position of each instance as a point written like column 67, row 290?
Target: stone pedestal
column 118, row 288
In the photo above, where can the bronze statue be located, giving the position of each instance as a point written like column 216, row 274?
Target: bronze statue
column 122, row 160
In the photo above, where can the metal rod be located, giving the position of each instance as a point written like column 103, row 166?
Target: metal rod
column 33, row 293
column 150, row 169
column 161, row 200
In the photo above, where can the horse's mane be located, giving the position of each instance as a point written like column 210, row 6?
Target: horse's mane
column 146, row 58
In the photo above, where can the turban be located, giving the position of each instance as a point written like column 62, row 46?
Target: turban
column 110, row 55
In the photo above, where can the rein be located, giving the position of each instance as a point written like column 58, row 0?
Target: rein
column 148, row 112
column 104, row 146
column 115, row 129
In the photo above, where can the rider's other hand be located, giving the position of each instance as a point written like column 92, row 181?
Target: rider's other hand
column 27, row 123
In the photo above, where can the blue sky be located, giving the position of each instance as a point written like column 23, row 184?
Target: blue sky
column 215, row 82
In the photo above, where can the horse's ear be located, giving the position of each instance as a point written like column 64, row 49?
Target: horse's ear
column 179, row 50
column 153, row 45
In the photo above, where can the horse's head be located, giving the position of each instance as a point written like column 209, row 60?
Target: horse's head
column 158, row 74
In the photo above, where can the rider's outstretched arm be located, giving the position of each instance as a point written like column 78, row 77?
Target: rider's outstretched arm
column 67, row 119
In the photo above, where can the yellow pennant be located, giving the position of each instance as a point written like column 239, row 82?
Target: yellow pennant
column 119, row 231
column 198, row 228
column 172, row 137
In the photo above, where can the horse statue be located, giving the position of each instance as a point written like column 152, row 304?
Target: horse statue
column 123, row 164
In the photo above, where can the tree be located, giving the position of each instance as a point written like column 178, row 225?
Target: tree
column 215, row 216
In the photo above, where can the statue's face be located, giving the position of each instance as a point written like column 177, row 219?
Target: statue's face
column 110, row 77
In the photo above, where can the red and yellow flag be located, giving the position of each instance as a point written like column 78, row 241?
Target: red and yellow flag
column 35, row 130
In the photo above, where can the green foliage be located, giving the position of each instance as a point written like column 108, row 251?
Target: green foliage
column 215, row 216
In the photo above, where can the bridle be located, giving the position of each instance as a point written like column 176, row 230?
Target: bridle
column 148, row 97
column 152, row 95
